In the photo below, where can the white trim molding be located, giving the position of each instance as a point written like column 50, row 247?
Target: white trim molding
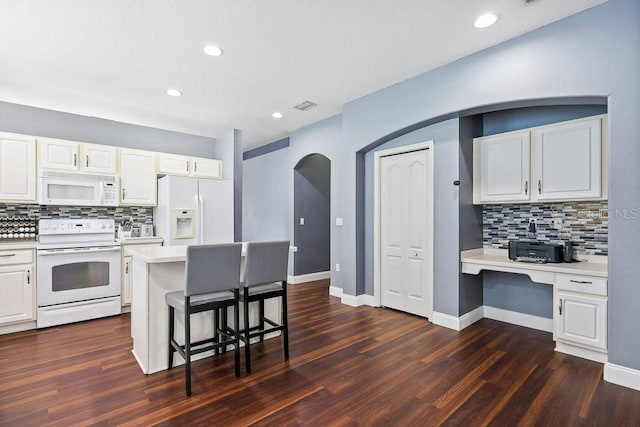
column 457, row 323
column 311, row 277
column 335, row 291
column 622, row 375
column 357, row 300
column 520, row 319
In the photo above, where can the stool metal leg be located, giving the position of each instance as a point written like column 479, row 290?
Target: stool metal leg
column 171, row 331
column 216, row 325
column 261, row 317
column 187, row 345
column 236, row 336
column 285, row 322
column 247, row 343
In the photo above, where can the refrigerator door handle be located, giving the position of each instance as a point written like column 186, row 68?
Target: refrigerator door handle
column 201, row 220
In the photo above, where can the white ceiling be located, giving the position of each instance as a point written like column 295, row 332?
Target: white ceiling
column 116, row 58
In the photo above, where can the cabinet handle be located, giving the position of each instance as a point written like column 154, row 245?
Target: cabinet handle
column 75, row 160
column 87, row 156
column 126, row 268
column 560, row 307
column 123, row 194
column 583, row 282
column 526, row 187
column 195, row 166
column 28, row 277
column 539, row 187
column 187, row 166
column 7, row 255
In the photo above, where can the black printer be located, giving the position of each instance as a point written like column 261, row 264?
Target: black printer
column 536, row 252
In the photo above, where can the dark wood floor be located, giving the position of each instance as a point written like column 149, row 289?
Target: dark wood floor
column 348, row 366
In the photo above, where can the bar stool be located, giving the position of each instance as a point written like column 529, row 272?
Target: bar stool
column 265, row 277
column 212, row 283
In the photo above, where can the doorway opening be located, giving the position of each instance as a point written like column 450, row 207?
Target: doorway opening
column 312, row 217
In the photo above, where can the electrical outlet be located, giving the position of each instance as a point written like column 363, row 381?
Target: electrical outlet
column 301, row 221
column 337, row 267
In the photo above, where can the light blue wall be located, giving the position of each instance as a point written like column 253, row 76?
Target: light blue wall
column 516, row 292
column 592, row 54
column 55, row 124
column 445, row 155
column 228, row 148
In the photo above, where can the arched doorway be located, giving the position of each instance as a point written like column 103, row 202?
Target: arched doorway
column 312, row 215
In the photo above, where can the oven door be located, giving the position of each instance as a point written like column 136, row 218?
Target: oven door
column 77, row 274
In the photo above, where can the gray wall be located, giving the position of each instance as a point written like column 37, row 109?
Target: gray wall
column 228, row 148
column 595, row 53
column 312, row 201
column 55, row 124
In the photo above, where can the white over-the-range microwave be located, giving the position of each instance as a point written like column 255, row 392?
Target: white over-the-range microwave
column 76, row 189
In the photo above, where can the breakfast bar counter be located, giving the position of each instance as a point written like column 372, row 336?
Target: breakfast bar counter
column 158, row 270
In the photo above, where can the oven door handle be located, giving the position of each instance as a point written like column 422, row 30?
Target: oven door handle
column 77, row 250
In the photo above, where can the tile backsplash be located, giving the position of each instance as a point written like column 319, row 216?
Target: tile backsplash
column 9, row 213
column 585, row 224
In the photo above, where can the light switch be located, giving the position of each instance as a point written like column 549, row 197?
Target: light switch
column 339, row 221
column 301, row 221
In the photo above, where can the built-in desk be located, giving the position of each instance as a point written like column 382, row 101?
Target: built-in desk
column 579, row 296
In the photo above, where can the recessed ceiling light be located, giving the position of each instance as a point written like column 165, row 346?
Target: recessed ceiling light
column 213, row 50
column 485, row 20
column 277, row 115
column 174, row 92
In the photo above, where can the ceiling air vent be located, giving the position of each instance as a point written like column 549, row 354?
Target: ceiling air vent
column 528, row 2
column 305, row 106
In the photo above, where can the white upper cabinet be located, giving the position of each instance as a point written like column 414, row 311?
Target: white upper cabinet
column 138, row 184
column 569, row 160
column 101, row 159
column 77, row 156
column 503, row 165
column 173, row 164
column 17, row 168
column 206, row 168
column 59, row 154
column 562, row 161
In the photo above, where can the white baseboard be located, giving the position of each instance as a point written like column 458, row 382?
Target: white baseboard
column 457, row 323
column 520, row 319
column 311, row 277
column 335, row 291
column 17, row 327
column 357, row 300
column 585, row 353
column 622, row 375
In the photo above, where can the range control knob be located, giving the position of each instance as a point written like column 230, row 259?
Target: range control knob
column 102, row 226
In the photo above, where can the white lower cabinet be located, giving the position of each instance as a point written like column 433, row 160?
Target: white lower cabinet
column 127, row 267
column 580, row 318
column 17, row 286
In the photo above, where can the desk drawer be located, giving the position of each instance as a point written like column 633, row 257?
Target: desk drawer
column 20, row 256
column 582, row 284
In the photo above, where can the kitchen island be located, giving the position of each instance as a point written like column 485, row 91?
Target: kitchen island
column 157, row 271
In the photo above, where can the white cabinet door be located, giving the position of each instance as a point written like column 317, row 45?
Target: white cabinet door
column 59, row 154
column 569, row 160
column 17, row 168
column 173, row 164
column 102, row 159
column 581, row 319
column 138, row 178
column 127, row 275
column 206, row 168
column 504, row 166
column 16, row 294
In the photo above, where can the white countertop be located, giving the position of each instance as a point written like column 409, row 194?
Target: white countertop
column 498, row 260
column 17, row 245
column 161, row 254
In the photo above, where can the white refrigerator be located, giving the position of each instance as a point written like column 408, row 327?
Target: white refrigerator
column 194, row 211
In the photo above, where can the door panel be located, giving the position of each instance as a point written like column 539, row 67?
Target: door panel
column 406, row 271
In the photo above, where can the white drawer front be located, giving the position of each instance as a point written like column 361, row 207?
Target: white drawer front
column 16, row 257
column 582, row 284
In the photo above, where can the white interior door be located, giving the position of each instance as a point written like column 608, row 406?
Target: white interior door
column 406, row 232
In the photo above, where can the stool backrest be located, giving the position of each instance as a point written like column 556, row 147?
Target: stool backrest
column 212, row 268
column 266, row 262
